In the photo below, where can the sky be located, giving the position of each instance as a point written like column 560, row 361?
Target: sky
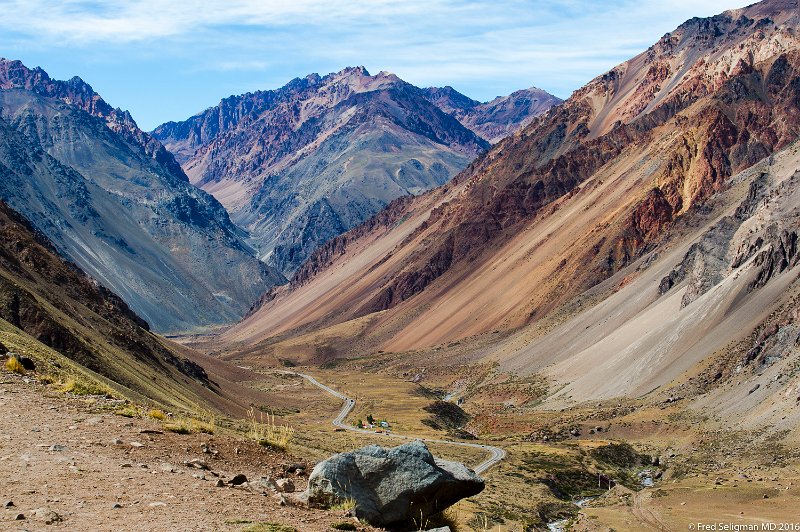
column 170, row 59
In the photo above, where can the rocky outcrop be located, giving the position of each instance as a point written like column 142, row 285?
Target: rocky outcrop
column 392, row 487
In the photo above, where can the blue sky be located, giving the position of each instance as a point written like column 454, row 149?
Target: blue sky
column 169, row 59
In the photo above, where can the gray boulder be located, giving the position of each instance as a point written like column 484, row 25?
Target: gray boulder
column 391, row 487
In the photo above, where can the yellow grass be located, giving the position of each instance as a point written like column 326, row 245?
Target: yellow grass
column 267, row 432
column 14, row 366
column 155, row 413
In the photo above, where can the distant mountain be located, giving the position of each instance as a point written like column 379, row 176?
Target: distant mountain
column 498, row 118
column 299, row 165
column 644, row 228
column 113, row 200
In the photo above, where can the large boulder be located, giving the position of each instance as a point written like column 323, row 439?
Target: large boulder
column 391, row 487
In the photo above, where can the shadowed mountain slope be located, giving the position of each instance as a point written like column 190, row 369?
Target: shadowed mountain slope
column 46, row 302
column 115, row 202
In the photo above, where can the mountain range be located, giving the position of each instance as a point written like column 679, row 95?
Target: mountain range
column 115, row 202
column 302, row 164
column 645, row 204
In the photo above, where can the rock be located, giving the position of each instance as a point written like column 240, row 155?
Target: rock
column 238, row 480
column 27, row 363
column 3, row 348
column 136, row 444
column 116, row 441
column 116, row 506
column 220, row 483
column 440, row 529
column 8, row 504
column 19, row 517
column 157, row 504
column 126, row 465
column 57, row 448
column 285, row 485
column 263, row 485
column 47, row 515
column 197, row 464
column 391, row 486
column 293, row 468
column 167, row 468
column 281, row 500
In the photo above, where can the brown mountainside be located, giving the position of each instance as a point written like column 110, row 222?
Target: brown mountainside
column 629, row 166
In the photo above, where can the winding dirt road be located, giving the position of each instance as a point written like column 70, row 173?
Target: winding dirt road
column 495, row 453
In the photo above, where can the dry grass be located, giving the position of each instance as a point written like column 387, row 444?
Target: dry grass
column 155, row 413
column 14, row 366
column 127, row 411
column 347, row 505
column 82, row 387
column 267, row 432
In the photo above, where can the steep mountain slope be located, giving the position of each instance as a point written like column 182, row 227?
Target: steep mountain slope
column 498, row 118
column 115, row 202
column 45, row 299
column 304, row 163
column 631, row 163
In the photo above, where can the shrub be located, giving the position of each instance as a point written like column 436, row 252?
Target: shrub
column 344, row 525
column 78, row 387
column 155, row 413
column 127, row 411
column 14, row 366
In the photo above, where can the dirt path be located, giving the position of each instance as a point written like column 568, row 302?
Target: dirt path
column 496, row 454
column 100, row 471
column 646, row 515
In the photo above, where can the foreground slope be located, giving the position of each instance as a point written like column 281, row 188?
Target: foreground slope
column 301, row 164
column 115, row 202
column 575, row 198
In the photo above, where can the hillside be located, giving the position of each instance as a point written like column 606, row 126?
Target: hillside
column 304, row 163
column 115, row 202
column 74, row 328
column 571, row 225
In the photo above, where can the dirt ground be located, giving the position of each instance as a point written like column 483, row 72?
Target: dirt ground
column 69, row 456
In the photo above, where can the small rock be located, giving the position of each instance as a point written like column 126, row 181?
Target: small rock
column 197, row 464
column 220, row 483
column 116, row 441
column 57, row 448
column 238, row 480
column 27, row 363
column 8, row 504
column 199, row 476
column 281, row 500
column 116, row 506
column 19, row 517
column 167, row 468
column 126, row 465
column 136, row 444
column 157, row 504
column 151, row 431
column 291, row 468
column 285, row 485
column 47, row 515
column 766, row 496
